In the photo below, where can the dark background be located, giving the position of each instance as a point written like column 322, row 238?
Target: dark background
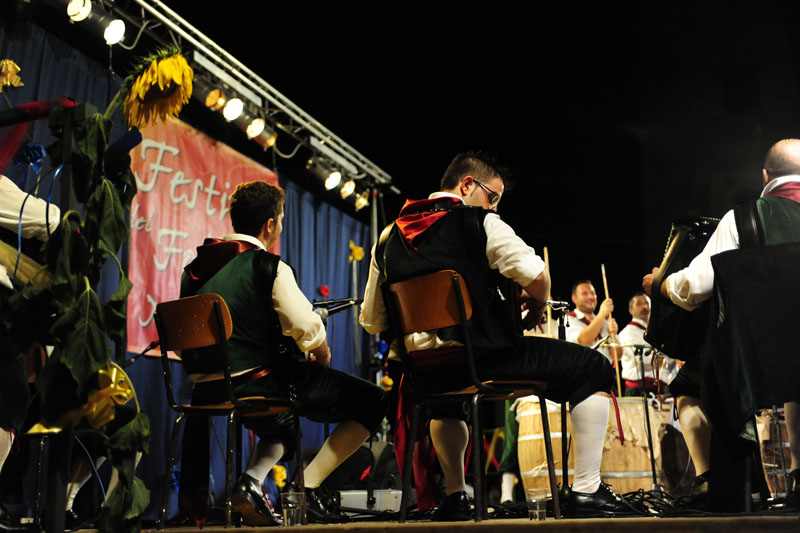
column 613, row 121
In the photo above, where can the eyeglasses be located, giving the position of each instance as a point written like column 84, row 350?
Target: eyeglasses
column 492, row 196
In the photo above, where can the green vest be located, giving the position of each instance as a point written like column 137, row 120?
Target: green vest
column 248, row 294
column 780, row 218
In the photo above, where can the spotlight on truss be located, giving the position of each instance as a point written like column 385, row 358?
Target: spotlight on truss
column 348, row 188
column 78, row 10
column 362, row 200
column 232, row 109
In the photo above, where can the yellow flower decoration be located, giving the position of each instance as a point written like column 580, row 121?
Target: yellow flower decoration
column 356, row 252
column 279, row 475
column 8, row 74
column 157, row 87
column 387, row 383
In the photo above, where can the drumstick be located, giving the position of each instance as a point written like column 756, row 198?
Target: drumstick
column 613, row 336
column 547, row 308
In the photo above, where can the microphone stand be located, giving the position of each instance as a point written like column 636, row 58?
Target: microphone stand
column 639, row 353
column 562, row 335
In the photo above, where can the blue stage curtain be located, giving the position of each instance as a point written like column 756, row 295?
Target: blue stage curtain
column 314, row 241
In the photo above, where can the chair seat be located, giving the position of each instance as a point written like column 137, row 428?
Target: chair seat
column 252, row 411
column 504, row 389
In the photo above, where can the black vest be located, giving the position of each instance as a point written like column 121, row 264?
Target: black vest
column 458, row 241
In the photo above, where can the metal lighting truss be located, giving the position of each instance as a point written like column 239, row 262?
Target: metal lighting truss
column 320, row 139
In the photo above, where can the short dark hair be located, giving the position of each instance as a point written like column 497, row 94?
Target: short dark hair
column 580, row 282
column 781, row 161
column 633, row 297
column 479, row 165
column 253, row 203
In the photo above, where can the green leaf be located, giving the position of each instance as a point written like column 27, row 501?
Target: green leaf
column 83, row 339
column 67, row 254
column 132, row 437
column 92, row 137
column 105, row 218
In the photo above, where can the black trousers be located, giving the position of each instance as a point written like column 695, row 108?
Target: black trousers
column 324, row 395
column 572, row 372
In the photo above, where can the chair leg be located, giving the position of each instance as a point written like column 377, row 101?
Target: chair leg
column 37, row 502
column 477, row 447
column 564, row 447
column 548, row 447
column 229, row 453
column 298, row 443
column 411, row 440
column 173, row 449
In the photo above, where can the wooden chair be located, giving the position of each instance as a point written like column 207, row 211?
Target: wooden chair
column 439, row 300
column 197, row 322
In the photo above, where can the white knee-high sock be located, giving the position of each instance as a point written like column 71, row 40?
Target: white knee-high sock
column 265, row 455
column 450, row 438
column 81, row 473
column 342, row 442
column 507, row 487
column 6, row 440
column 589, row 421
column 114, row 480
column 696, row 432
column 792, row 412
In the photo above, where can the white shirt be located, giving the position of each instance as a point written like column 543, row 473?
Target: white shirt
column 690, row 287
column 576, row 325
column 506, row 252
column 34, row 221
column 634, row 334
column 295, row 313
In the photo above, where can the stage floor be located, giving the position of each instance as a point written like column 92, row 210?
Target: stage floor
column 625, row 525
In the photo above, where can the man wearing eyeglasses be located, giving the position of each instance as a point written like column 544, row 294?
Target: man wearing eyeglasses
column 458, row 228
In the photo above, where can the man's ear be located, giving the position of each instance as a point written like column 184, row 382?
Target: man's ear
column 466, row 185
column 765, row 175
column 268, row 227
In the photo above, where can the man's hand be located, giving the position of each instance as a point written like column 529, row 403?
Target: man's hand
column 647, row 281
column 535, row 311
column 606, row 307
column 612, row 326
column 321, row 355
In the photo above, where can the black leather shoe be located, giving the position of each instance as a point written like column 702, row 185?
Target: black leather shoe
column 453, row 508
column 322, row 507
column 248, row 498
column 602, row 502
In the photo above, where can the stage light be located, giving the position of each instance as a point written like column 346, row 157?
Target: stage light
column 215, row 100
column 233, row 108
column 333, row 179
column 255, row 127
column 78, row 10
column 267, row 137
column 362, row 200
column 114, row 31
column 348, row 188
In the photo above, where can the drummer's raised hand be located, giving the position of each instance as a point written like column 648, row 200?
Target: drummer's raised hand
column 647, row 280
column 612, row 326
column 606, row 307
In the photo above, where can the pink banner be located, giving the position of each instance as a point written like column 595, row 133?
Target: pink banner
column 185, row 179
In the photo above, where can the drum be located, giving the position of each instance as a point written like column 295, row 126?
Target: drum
column 530, row 443
column 626, row 467
column 775, row 453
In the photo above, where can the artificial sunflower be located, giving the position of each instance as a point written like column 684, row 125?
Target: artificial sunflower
column 356, row 252
column 8, row 74
column 158, row 87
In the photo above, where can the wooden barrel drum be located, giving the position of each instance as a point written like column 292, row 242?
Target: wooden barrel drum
column 530, row 443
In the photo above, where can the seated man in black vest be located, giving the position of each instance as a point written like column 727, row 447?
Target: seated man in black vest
column 273, row 324
column 779, row 220
column 459, row 229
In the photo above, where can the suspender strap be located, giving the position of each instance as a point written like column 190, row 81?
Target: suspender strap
column 748, row 224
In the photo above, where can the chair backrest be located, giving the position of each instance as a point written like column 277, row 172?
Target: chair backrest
column 429, row 302
column 193, row 322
